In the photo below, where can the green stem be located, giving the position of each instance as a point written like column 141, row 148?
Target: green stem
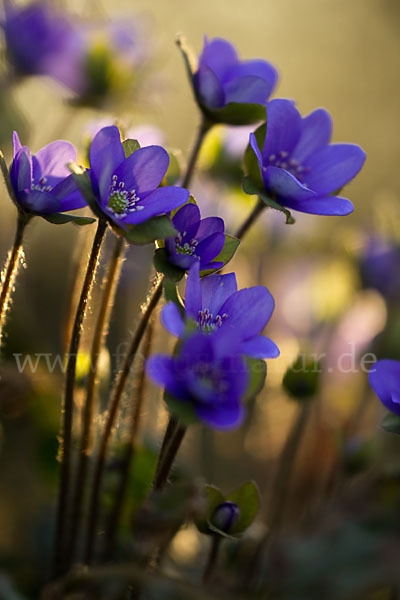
column 205, row 126
column 119, row 498
column 251, row 219
column 212, row 558
column 11, row 269
column 94, row 504
column 172, row 440
column 103, row 318
column 66, row 439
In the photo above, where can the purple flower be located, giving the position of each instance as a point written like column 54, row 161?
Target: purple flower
column 299, row 167
column 216, row 305
column 197, row 240
column 127, row 189
column 43, row 41
column 379, row 266
column 42, row 183
column 222, row 78
column 384, row 379
column 209, row 378
column 225, row 516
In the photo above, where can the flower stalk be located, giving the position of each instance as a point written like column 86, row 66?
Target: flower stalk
column 173, row 437
column 204, row 128
column 11, row 269
column 66, row 439
column 94, row 504
column 212, row 558
column 107, row 301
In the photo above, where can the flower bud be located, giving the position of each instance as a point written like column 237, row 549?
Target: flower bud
column 225, row 516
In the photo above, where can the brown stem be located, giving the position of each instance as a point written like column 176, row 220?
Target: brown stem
column 212, row 558
column 205, row 126
column 11, row 269
column 66, row 439
column 112, row 413
column 119, row 498
column 252, row 218
column 103, row 318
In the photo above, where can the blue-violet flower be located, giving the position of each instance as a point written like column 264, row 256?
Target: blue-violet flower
column 222, row 78
column 197, row 240
column 211, row 379
column 299, row 167
column 126, row 189
column 215, row 304
column 42, row 183
column 384, row 378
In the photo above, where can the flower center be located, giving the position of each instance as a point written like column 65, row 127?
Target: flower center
column 283, row 161
column 188, row 248
column 207, row 322
column 121, row 201
column 41, row 186
column 210, row 377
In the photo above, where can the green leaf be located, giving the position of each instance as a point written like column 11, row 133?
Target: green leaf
column 163, row 265
column 174, row 170
column 159, row 227
column 183, row 411
column 251, row 188
column 213, row 498
column 130, row 146
column 251, row 166
column 247, row 497
column 302, row 378
column 391, row 423
column 61, row 218
column 230, row 246
column 83, row 182
column 171, row 295
column 257, row 370
column 235, row 113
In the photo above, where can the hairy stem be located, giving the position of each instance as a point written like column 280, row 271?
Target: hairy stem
column 11, row 269
column 205, row 126
column 66, row 439
column 251, row 219
column 212, row 558
column 172, row 440
column 103, row 318
column 119, row 498
column 94, row 504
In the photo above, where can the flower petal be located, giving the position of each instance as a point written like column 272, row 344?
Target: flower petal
column 16, row 143
column 144, row 170
column 210, row 225
column 220, row 416
column 260, row 346
column 209, row 87
column 316, row 132
column 216, row 289
column 210, row 247
column 69, row 195
column 249, row 88
column 333, row 166
column 161, row 201
column 161, row 369
column 285, row 185
column 172, row 319
column 283, row 128
column 21, row 171
column 105, row 155
column 193, row 292
column 248, row 310
column 327, row 205
column 219, row 55
column 256, row 68
column 52, row 160
column 384, row 378
column 186, row 216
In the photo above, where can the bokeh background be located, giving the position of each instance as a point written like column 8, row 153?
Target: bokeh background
column 335, row 280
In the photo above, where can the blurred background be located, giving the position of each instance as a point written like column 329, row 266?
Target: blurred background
column 335, row 280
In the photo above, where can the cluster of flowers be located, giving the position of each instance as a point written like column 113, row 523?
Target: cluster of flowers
column 292, row 164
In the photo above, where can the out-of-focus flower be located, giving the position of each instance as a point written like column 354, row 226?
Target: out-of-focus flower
column 42, row 183
column 198, row 239
column 208, row 379
column 215, row 304
column 299, row 168
column 126, row 189
column 384, row 378
column 43, row 41
column 222, row 78
column 379, row 265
